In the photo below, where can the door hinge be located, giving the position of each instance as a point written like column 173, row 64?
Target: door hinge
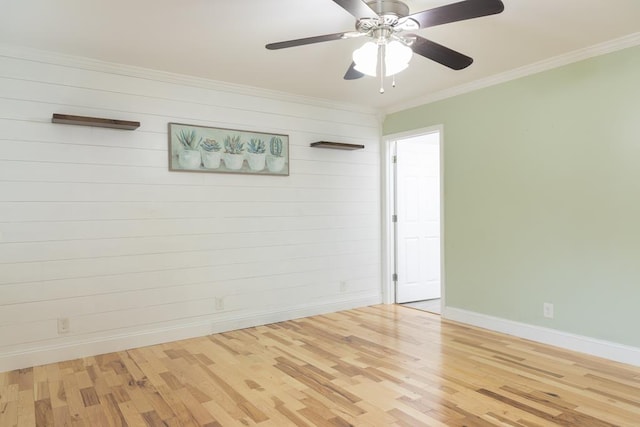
column 394, row 218
column 394, row 159
column 395, row 277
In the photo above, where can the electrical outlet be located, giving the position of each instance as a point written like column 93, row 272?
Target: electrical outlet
column 547, row 310
column 63, row 325
column 219, row 303
column 343, row 286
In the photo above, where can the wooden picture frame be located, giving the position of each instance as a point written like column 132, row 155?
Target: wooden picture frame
column 194, row 148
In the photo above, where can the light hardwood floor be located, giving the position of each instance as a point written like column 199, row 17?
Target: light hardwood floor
column 375, row 366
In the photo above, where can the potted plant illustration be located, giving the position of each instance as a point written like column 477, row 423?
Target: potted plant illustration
column 256, row 154
column 211, row 154
column 275, row 161
column 189, row 156
column 233, row 157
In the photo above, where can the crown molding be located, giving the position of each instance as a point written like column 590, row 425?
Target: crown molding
column 537, row 67
column 89, row 64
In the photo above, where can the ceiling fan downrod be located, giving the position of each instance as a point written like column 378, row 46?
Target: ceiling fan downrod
column 389, row 7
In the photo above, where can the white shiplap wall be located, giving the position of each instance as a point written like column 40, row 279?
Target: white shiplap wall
column 93, row 226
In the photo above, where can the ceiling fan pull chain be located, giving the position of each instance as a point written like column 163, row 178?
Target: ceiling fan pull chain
column 381, row 56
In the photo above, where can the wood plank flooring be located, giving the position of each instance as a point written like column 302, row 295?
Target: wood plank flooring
column 375, row 366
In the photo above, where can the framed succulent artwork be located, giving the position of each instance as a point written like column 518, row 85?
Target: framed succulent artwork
column 207, row 149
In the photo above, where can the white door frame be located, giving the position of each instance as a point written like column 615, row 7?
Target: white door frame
column 388, row 207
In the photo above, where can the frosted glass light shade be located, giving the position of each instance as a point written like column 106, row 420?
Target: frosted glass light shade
column 397, row 57
column 366, row 59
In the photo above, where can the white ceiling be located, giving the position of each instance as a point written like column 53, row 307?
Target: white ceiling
column 224, row 40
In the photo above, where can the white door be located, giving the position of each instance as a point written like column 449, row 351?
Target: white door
column 418, row 218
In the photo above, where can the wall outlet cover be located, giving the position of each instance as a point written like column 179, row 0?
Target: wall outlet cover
column 547, row 310
column 63, row 325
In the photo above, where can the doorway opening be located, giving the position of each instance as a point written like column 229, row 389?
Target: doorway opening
column 415, row 204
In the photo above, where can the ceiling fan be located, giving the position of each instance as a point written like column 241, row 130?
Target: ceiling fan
column 389, row 27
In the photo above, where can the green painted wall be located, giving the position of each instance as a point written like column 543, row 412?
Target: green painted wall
column 542, row 196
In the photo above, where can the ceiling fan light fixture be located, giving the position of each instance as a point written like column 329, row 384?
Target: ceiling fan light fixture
column 396, row 58
column 366, row 59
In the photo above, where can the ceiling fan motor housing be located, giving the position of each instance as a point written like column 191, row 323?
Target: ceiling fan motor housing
column 389, row 7
column 389, row 20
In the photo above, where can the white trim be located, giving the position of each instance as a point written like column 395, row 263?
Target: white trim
column 388, row 290
column 443, row 280
column 595, row 347
column 120, row 342
column 64, row 60
column 537, row 67
column 388, row 190
column 60, row 59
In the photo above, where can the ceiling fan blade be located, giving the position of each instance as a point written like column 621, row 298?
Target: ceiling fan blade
column 460, row 11
column 357, row 8
column 352, row 73
column 441, row 54
column 307, row 40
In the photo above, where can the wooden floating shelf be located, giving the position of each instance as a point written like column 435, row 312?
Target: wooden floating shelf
column 94, row 121
column 337, row 145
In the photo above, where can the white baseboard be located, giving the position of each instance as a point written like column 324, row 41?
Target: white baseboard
column 592, row 346
column 108, row 344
